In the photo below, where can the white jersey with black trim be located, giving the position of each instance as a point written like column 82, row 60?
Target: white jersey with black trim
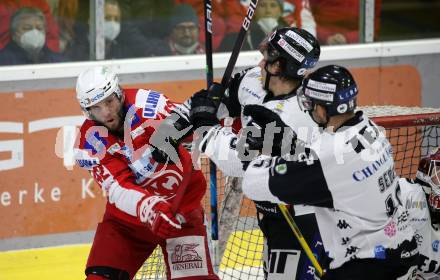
column 427, row 235
column 349, row 176
column 219, row 143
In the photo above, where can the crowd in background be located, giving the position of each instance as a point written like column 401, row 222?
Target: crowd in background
column 43, row 31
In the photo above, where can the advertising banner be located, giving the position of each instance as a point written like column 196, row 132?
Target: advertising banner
column 42, row 192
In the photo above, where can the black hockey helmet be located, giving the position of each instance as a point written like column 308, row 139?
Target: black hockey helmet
column 295, row 48
column 331, row 86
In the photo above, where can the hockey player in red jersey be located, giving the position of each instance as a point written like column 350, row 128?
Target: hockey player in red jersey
column 154, row 195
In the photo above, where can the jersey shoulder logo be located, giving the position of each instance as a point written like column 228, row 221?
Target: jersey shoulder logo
column 150, row 101
column 84, row 160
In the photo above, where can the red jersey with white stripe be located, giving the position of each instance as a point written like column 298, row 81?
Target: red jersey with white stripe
column 123, row 166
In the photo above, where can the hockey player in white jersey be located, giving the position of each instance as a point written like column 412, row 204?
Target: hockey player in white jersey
column 348, row 174
column 422, row 200
column 288, row 54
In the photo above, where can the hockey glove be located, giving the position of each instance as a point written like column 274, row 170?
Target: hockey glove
column 204, row 107
column 157, row 214
column 268, row 123
column 166, row 138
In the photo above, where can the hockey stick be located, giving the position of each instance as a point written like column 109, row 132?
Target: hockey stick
column 301, row 239
column 217, row 98
column 177, row 199
column 208, row 42
column 239, row 43
column 212, row 167
column 186, row 172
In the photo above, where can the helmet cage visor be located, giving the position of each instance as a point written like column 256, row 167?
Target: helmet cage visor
column 295, row 49
column 434, row 195
column 434, row 173
column 272, row 54
column 305, row 103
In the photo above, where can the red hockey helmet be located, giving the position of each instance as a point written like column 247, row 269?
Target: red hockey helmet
column 429, row 173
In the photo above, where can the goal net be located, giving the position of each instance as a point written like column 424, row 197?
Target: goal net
column 413, row 132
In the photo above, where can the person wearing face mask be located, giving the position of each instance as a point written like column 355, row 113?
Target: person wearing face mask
column 115, row 46
column 28, row 44
column 269, row 15
column 9, row 7
column 122, row 38
column 112, row 29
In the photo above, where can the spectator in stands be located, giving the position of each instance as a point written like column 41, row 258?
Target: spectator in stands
column 122, row 39
column 184, row 34
column 28, row 44
column 112, row 30
column 218, row 19
column 296, row 13
column 73, row 28
column 9, row 7
column 65, row 11
column 269, row 15
column 336, row 27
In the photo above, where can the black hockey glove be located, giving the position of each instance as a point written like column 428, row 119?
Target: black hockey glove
column 167, row 136
column 204, row 105
column 269, row 124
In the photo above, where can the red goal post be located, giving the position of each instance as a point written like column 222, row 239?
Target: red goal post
column 412, row 131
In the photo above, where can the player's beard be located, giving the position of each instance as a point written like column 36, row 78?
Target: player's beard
column 118, row 128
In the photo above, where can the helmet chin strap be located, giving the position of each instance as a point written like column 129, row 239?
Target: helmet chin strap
column 268, row 76
column 327, row 118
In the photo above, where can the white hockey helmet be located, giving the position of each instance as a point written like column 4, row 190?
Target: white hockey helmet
column 95, row 84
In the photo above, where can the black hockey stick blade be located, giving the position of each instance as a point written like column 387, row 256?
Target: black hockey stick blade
column 208, row 42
